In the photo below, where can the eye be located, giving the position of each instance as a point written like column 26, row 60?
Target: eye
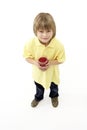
column 48, row 30
column 41, row 31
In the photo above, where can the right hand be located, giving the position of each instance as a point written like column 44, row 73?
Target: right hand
column 43, row 68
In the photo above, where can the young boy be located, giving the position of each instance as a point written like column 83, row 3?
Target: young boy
column 44, row 44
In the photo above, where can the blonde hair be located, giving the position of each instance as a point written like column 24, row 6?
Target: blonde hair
column 44, row 21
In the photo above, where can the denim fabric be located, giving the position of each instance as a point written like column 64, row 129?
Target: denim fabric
column 40, row 91
column 53, row 90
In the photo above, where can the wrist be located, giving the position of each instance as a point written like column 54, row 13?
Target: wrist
column 53, row 62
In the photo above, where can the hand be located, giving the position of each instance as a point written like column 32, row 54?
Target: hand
column 43, row 68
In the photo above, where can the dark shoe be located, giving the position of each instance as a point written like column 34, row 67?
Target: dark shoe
column 34, row 103
column 54, row 101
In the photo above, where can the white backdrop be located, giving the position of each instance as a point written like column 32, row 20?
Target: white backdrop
column 16, row 83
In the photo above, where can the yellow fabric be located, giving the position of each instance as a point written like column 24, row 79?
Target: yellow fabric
column 54, row 51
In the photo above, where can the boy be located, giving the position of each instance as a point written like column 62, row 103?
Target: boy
column 44, row 44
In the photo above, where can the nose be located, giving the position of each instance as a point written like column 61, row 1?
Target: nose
column 44, row 34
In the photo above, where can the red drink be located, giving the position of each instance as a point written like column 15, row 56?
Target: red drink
column 43, row 61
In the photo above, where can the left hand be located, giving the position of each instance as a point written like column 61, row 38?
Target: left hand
column 43, row 68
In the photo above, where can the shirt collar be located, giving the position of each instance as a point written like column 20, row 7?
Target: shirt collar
column 51, row 44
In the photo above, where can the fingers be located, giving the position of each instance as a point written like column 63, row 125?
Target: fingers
column 43, row 68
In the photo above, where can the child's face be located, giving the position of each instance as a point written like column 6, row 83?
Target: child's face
column 44, row 35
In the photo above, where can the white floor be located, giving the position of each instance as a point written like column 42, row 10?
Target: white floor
column 17, row 92
column 16, row 84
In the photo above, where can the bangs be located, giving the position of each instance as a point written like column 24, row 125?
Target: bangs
column 44, row 25
column 44, row 21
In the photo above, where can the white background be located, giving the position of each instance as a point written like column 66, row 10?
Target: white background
column 16, row 84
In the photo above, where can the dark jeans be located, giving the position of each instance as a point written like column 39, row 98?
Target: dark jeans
column 40, row 91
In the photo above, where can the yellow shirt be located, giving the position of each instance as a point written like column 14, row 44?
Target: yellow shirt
column 54, row 51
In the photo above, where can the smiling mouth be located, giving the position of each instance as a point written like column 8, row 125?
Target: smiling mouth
column 45, row 38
